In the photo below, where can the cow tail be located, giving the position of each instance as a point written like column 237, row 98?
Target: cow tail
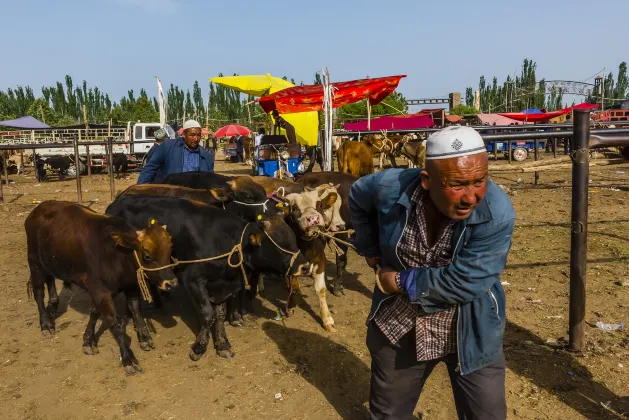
column 29, row 287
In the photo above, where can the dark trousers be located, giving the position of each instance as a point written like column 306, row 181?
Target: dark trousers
column 397, row 380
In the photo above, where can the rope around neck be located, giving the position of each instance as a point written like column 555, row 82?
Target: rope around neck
column 292, row 254
column 142, row 276
column 264, row 206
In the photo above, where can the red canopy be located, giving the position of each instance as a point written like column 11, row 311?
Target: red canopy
column 520, row 116
column 232, row 130
column 310, row 97
column 398, row 122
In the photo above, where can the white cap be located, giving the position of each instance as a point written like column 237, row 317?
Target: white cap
column 191, row 124
column 454, row 141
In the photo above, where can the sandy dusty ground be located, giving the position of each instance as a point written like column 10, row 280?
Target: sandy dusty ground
column 291, row 368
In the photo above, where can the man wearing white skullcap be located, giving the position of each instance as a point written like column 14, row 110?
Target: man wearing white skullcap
column 439, row 238
column 183, row 154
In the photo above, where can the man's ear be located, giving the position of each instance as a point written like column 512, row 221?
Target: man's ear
column 425, row 180
column 124, row 240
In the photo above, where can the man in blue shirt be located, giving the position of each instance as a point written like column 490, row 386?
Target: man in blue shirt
column 179, row 155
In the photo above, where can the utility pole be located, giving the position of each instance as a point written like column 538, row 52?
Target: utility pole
column 603, row 90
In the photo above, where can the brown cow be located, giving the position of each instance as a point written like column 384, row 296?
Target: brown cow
column 272, row 185
column 355, row 158
column 415, row 152
column 100, row 254
column 247, row 147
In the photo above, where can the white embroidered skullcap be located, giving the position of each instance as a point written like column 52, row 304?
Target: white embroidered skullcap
column 454, row 141
column 191, row 124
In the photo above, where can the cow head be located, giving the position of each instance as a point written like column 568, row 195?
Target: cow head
column 331, row 207
column 153, row 246
column 275, row 249
column 250, row 199
column 306, row 211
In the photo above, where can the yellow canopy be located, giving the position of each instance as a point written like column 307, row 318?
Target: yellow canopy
column 306, row 123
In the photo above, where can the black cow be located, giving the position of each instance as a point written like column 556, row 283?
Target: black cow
column 201, row 231
column 121, row 163
column 246, row 192
column 56, row 163
column 100, row 254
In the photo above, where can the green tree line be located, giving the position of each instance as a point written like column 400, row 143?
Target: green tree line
column 525, row 91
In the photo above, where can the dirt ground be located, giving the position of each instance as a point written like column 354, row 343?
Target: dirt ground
column 290, row 367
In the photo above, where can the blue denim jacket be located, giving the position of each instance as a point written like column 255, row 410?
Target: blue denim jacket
column 380, row 206
column 168, row 158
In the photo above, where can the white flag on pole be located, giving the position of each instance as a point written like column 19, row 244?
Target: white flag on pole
column 162, row 104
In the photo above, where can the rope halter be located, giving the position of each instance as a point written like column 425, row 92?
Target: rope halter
column 292, row 254
column 264, row 206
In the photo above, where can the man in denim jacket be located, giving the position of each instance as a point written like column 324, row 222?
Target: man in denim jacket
column 439, row 239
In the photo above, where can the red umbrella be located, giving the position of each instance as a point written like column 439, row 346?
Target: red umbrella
column 204, row 131
column 232, row 130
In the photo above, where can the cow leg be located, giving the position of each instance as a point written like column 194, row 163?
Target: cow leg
column 53, row 298
column 319, row 285
column 141, row 329
column 89, row 340
column 38, row 280
column 221, row 344
column 234, row 307
column 341, row 263
column 117, row 326
column 294, row 288
column 197, row 290
column 392, row 159
column 260, row 284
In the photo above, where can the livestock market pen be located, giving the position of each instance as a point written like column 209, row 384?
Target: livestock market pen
column 291, row 367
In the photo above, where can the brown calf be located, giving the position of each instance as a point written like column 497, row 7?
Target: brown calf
column 99, row 254
column 355, row 158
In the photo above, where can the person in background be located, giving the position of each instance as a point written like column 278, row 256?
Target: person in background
column 282, row 123
column 214, row 143
column 258, row 138
column 160, row 136
column 240, row 148
column 183, row 154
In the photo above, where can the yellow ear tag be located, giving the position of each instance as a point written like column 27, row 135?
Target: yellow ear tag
column 152, row 222
column 280, row 205
column 259, row 217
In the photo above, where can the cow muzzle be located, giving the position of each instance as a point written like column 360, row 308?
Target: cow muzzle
column 167, row 285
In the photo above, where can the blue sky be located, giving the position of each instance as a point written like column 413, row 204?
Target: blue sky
column 441, row 46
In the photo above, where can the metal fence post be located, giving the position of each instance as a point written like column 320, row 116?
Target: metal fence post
column 79, row 192
column 536, row 157
column 578, row 236
column 110, row 166
column 4, row 163
column 88, row 162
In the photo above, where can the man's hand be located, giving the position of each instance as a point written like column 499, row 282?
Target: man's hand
column 372, row 262
column 387, row 280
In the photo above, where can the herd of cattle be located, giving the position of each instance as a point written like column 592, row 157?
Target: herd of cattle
column 214, row 235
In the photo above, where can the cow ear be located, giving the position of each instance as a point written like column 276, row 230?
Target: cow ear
column 255, row 239
column 329, row 200
column 232, row 184
column 124, row 240
column 164, row 227
column 337, row 186
column 219, row 193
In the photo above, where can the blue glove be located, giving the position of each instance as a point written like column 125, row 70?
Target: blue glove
column 407, row 283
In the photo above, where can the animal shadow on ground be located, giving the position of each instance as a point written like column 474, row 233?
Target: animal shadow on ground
column 332, row 368
column 276, row 293
column 548, row 368
column 350, row 280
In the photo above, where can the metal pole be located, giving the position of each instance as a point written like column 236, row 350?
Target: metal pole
column 89, row 163
column 554, row 147
column 5, row 166
column 510, row 149
column 4, row 163
column 79, row 192
column 535, row 157
column 110, row 166
column 578, row 237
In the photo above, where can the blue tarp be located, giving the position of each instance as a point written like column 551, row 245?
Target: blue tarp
column 27, row 123
column 532, row 111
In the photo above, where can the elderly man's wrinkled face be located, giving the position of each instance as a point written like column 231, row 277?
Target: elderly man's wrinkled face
column 192, row 137
column 456, row 185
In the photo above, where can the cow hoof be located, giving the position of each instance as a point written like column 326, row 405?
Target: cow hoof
column 249, row 318
column 226, row 354
column 48, row 333
column 237, row 323
column 338, row 292
column 289, row 312
column 147, row 345
column 90, row 350
column 195, row 356
column 330, row 328
column 133, row 369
